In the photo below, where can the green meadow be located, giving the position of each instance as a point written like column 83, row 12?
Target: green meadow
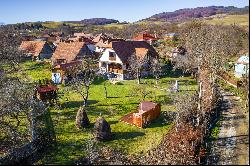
column 72, row 142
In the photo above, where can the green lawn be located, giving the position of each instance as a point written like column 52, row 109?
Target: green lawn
column 71, row 142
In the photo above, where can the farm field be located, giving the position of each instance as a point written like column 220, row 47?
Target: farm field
column 241, row 20
column 71, row 142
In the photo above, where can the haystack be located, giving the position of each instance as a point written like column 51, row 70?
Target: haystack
column 82, row 120
column 102, row 130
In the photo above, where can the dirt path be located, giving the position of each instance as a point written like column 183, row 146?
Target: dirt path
column 232, row 145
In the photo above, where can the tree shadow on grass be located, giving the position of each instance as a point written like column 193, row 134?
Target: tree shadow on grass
column 159, row 122
column 126, row 135
column 113, row 97
column 77, row 104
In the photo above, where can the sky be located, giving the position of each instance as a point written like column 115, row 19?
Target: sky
column 17, row 11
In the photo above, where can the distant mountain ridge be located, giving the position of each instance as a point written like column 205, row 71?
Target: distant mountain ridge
column 199, row 12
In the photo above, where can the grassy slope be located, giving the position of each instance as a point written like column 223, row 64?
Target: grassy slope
column 72, row 142
column 241, row 20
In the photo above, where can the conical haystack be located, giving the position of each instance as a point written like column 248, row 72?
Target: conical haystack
column 102, row 130
column 82, row 120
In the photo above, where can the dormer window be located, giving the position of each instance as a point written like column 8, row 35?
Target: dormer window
column 112, row 56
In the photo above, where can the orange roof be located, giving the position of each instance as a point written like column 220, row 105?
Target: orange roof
column 68, row 51
column 34, row 47
column 144, row 36
column 66, row 66
column 147, row 106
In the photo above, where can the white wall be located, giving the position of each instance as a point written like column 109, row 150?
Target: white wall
column 105, row 56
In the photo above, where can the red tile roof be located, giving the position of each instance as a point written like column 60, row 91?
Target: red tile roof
column 147, row 106
column 144, row 37
column 48, row 88
column 124, row 49
column 34, row 47
column 68, row 65
column 68, row 51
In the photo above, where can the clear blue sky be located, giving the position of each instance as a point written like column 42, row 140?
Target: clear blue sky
column 13, row 11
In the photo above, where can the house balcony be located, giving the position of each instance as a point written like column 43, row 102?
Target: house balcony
column 117, row 71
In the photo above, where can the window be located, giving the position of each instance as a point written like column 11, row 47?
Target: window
column 112, row 56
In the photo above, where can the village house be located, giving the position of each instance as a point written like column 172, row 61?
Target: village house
column 146, row 37
column 37, row 50
column 242, row 66
column 66, row 58
column 103, row 41
column 68, row 52
column 115, row 59
column 170, row 36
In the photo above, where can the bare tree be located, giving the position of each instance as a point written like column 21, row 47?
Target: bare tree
column 207, row 48
column 141, row 91
column 136, row 64
column 86, row 73
column 16, row 104
column 156, row 69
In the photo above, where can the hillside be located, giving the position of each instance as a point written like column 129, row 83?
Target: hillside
column 242, row 20
column 95, row 21
column 182, row 15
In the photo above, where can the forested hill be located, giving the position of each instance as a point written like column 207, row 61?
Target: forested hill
column 95, row 21
column 199, row 12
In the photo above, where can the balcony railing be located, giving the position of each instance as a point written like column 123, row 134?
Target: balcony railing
column 119, row 71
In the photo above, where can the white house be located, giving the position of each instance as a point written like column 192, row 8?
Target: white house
column 114, row 61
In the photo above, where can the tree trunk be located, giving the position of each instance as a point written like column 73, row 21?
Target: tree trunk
column 105, row 92
column 156, row 80
column 138, row 76
column 86, row 96
column 205, row 89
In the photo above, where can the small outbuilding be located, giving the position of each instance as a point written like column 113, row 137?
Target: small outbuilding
column 46, row 92
column 146, row 113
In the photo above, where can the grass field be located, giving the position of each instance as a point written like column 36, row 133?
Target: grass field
column 71, row 142
column 242, row 20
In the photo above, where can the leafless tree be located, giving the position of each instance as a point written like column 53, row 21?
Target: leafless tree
column 16, row 104
column 136, row 64
column 156, row 69
column 207, row 48
column 141, row 91
column 86, row 73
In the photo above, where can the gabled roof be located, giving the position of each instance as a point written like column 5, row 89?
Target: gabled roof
column 34, row 47
column 124, row 49
column 102, row 37
column 68, row 51
column 144, row 37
